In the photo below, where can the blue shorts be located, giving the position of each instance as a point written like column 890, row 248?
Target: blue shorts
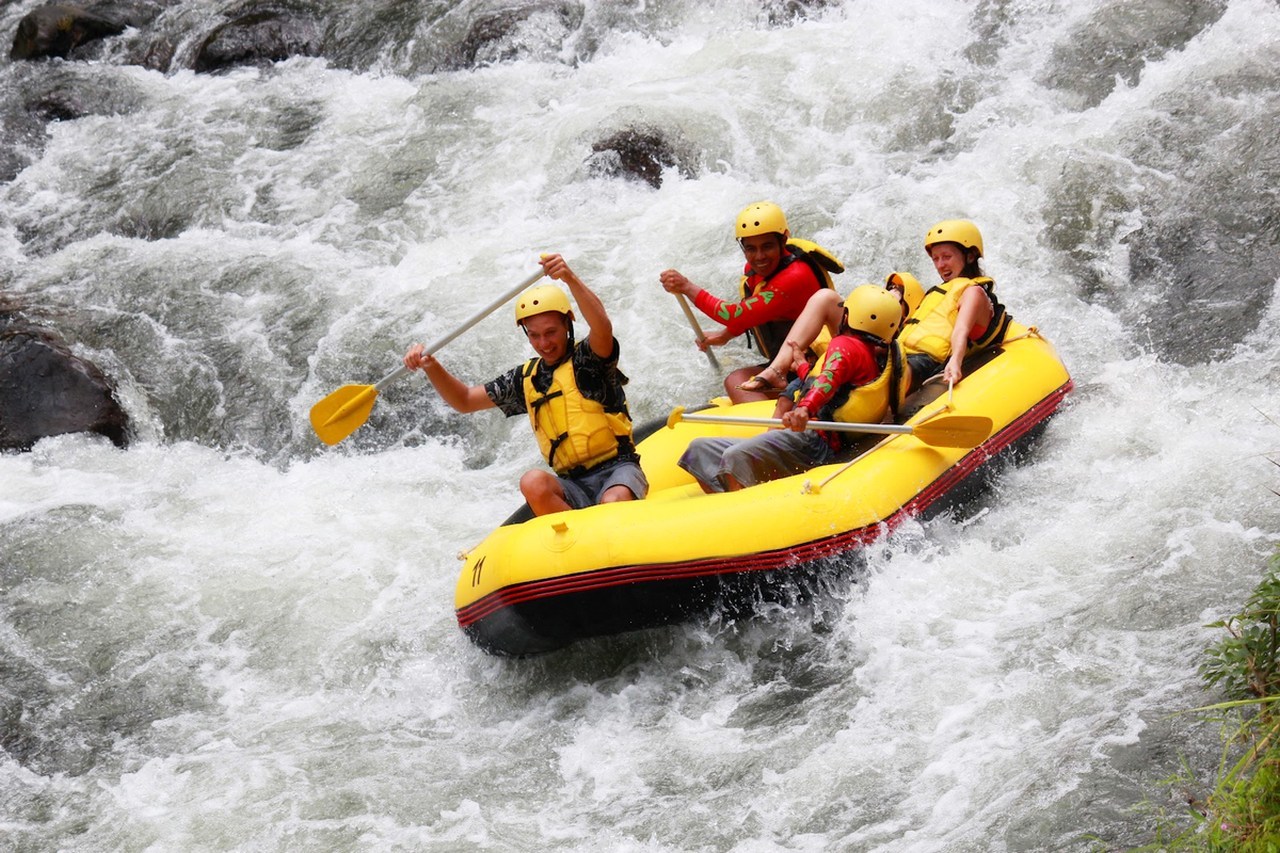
column 585, row 490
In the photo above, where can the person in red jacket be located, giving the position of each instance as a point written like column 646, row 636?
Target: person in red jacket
column 776, row 283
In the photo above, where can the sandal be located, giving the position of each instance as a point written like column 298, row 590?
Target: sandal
column 761, row 384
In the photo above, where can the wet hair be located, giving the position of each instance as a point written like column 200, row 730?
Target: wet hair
column 972, row 268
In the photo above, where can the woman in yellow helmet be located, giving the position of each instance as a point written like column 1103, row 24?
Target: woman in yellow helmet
column 774, row 290
column 572, row 393
column 959, row 316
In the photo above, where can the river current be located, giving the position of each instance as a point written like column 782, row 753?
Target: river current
column 228, row 637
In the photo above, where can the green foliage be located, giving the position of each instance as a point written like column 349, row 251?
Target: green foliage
column 1246, row 663
column 1242, row 813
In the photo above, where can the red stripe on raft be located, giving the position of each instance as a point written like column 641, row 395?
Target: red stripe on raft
column 765, row 560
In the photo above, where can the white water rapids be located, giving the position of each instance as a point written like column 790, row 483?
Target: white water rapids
column 227, row 637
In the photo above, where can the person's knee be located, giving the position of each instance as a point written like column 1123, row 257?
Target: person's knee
column 535, row 485
column 832, row 307
column 613, row 494
column 827, row 297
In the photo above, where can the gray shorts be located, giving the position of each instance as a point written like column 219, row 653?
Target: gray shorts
column 586, row 490
column 769, row 456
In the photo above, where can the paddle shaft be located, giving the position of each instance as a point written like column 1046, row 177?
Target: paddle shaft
column 352, row 400
column 697, row 329
column 832, row 426
column 466, row 324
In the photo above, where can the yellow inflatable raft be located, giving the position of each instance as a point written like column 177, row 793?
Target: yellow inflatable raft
column 536, row 584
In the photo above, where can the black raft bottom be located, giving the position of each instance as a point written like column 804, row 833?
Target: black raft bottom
column 638, row 605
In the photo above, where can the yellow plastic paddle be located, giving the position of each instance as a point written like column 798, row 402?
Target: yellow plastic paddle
column 946, row 431
column 345, row 410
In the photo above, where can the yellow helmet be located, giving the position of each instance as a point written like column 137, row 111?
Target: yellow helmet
column 912, row 290
column 960, row 231
column 539, row 299
column 873, row 310
column 763, row 217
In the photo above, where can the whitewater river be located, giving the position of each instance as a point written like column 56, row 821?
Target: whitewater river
column 228, row 637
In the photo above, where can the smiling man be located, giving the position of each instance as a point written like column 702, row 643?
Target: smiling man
column 572, row 392
column 774, row 291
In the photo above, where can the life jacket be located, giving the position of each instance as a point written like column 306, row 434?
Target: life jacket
column 928, row 330
column 869, row 403
column 769, row 337
column 575, row 434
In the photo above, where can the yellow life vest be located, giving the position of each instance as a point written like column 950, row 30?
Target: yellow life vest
column 869, row 403
column 769, row 337
column 575, row 434
column 929, row 328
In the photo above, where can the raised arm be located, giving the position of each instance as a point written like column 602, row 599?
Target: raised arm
column 593, row 311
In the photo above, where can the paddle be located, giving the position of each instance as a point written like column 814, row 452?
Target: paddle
column 697, row 329
column 345, row 410
column 946, row 431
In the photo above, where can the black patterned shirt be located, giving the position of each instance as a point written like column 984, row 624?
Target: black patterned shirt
column 598, row 379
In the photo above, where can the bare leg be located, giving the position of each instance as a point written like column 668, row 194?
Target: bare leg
column 543, row 493
column 824, row 308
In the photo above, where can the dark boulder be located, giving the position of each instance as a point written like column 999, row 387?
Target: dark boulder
column 57, row 30
column 258, row 38
column 46, row 390
column 638, row 153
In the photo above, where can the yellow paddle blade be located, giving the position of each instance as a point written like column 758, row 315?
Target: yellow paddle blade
column 954, row 431
column 342, row 412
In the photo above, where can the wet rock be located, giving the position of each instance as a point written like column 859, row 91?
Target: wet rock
column 507, row 34
column 58, row 30
column 10, row 308
column 258, row 38
column 1117, row 42
column 1181, row 234
column 46, row 390
column 1217, row 280
column 641, row 154
column 56, row 106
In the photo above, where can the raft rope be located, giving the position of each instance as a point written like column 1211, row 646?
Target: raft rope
column 1031, row 332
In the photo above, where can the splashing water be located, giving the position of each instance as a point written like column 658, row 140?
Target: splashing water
column 227, row 637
